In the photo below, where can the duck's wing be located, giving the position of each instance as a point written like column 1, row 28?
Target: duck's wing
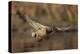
column 63, row 28
column 35, row 25
column 68, row 28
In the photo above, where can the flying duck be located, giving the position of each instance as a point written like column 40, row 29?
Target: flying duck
column 40, row 30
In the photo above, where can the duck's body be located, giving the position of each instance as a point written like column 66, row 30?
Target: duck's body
column 40, row 30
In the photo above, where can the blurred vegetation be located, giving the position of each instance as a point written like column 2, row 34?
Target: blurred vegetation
column 53, row 14
column 47, row 14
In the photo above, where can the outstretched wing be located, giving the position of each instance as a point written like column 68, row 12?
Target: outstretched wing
column 33, row 24
column 63, row 28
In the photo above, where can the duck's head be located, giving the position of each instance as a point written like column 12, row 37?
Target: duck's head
column 41, row 33
column 36, row 36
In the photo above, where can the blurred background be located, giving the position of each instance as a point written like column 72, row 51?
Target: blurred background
column 47, row 14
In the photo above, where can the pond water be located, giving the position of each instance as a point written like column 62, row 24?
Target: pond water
column 54, row 41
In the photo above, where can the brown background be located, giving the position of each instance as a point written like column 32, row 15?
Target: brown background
column 47, row 14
